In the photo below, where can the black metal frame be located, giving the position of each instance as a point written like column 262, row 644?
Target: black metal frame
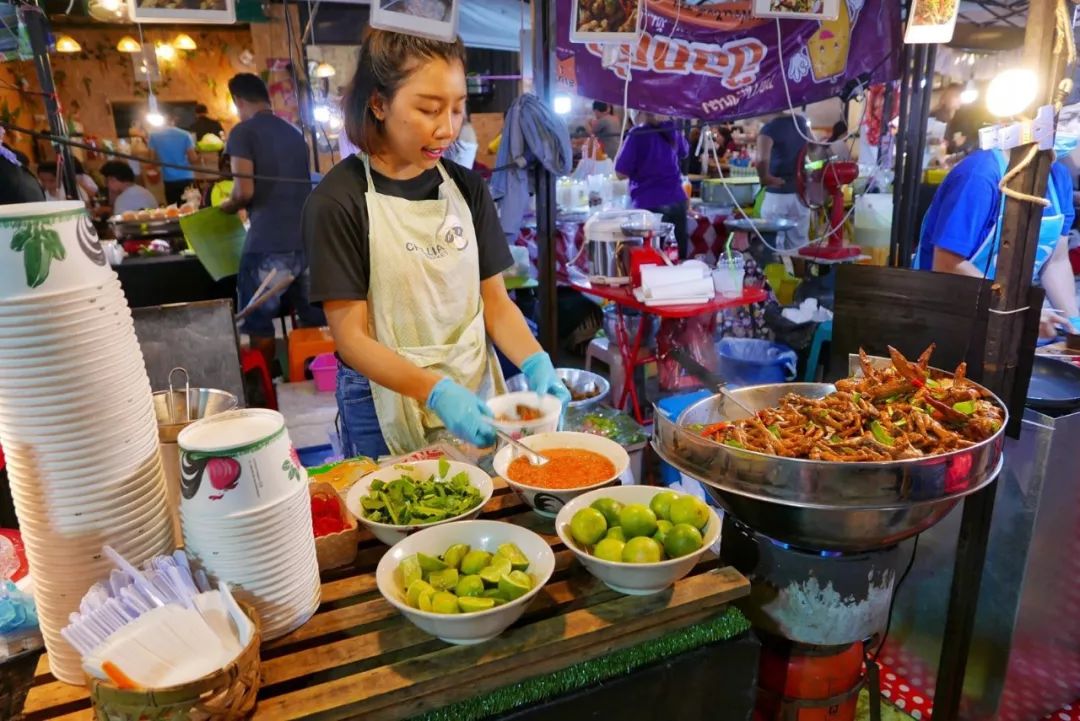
column 544, row 181
column 917, row 67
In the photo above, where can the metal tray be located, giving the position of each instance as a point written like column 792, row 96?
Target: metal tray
column 146, row 228
column 822, row 504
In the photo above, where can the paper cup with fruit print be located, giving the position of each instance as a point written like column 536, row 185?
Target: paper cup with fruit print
column 237, row 462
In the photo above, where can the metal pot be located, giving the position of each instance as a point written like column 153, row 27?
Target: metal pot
column 611, row 258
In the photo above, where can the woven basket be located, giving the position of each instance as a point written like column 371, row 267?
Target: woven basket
column 226, row 695
column 337, row 549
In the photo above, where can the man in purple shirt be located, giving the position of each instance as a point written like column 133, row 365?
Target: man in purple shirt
column 650, row 158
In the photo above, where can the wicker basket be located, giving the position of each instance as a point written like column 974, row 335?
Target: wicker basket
column 337, row 549
column 226, row 695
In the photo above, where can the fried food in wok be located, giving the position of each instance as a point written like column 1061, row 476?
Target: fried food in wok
column 901, row 412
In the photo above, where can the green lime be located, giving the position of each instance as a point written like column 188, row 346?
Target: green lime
column 443, row 580
column 410, row 570
column 496, row 594
column 445, row 602
column 609, row 549
column 689, row 509
column 454, row 554
column 682, row 540
column 469, row 586
column 518, row 560
column 642, row 549
column 637, row 519
column 662, row 529
column 412, row 593
column 429, row 563
column 661, row 504
column 498, row 568
column 469, row 604
column 616, row 532
column 588, row 526
column 515, row 584
column 610, row 508
column 475, row 561
column 425, row 599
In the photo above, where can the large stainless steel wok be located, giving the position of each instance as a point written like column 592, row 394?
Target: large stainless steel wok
column 821, row 504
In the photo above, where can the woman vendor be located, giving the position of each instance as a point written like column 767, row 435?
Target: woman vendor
column 961, row 231
column 406, row 256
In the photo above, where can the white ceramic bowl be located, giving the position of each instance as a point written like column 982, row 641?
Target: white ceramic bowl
column 389, row 533
column 55, row 378
column 465, row 628
column 548, row 501
column 103, row 319
column 636, row 579
column 101, row 298
column 46, row 303
column 506, row 405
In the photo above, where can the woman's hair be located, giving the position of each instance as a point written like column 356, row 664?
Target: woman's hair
column 386, row 60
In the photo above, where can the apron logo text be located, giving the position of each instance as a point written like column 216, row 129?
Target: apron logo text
column 432, row 252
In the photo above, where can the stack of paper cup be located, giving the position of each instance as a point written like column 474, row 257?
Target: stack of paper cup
column 76, row 416
column 246, row 514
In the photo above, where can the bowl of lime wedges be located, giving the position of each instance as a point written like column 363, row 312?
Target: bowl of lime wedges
column 467, row 581
column 638, row 540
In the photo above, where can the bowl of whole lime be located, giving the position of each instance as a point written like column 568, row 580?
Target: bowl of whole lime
column 465, row 582
column 403, row 498
column 638, row 540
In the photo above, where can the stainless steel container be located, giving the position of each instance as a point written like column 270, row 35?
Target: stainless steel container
column 611, row 258
column 575, row 379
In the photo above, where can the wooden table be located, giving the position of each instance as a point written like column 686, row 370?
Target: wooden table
column 357, row 657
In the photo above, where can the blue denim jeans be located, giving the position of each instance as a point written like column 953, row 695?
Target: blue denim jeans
column 358, row 425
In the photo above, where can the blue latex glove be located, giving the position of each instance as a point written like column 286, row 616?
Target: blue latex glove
column 541, row 377
column 463, row 413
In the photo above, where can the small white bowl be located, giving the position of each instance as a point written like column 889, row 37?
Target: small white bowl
column 466, row 628
column 548, row 501
column 390, row 533
column 635, row 579
column 550, row 409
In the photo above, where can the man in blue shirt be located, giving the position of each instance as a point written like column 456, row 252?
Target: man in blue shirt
column 778, row 146
column 173, row 145
column 961, row 231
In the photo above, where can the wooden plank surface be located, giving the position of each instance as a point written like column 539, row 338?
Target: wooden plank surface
column 358, row 656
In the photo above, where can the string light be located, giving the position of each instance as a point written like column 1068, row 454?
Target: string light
column 67, row 44
column 165, row 52
column 129, row 44
column 183, row 41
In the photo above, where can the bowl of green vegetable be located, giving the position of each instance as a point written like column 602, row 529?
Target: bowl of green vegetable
column 397, row 500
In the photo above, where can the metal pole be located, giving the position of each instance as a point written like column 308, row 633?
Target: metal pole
column 544, row 86
column 901, row 145
column 912, row 138
column 1016, row 259
column 38, row 30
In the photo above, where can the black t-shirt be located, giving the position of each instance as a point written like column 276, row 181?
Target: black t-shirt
column 335, row 225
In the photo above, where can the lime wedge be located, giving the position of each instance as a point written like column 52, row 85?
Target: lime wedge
column 425, row 599
column 474, row 562
column 515, row 584
column 410, row 570
column 517, row 559
column 469, row 586
column 444, row 580
column 412, row 593
column 469, row 604
column 498, row 568
column 429, row 563
column 454, row 554
column 445, row 602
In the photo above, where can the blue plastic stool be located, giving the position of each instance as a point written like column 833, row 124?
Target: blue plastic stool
column 822, row 335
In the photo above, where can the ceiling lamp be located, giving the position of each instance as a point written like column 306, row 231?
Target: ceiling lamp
column 129, row 44
column 67, row 44
column 165, row 52
column 325, row 70
column 1011, row 92
column 183, row 41
column 154, row 117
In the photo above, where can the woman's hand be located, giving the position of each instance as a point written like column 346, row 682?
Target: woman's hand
column 1049, row 320
column 462, row 412
column 541, row 377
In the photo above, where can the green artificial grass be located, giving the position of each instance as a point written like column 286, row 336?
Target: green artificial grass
column 727, row 625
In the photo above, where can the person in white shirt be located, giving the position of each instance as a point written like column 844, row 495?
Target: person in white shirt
column 125, row 194
column 46, row 173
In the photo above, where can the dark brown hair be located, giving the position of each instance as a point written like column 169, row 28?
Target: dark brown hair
column 386, row 61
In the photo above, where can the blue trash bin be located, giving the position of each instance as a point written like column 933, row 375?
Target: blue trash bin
column 751, row 362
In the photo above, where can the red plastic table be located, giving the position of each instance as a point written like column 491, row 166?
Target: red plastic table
column 623, row 297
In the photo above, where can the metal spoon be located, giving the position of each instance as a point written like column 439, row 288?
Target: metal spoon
column 534, row 458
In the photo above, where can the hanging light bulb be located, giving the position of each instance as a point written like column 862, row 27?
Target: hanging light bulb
column 183, row 41
column 970, row 93
column 325, row 70
column 154, row 118
column 165, row 52
column 562, row 104
column 1011, row 92
column 129, row 44
column 321, row 113
column 335, row 122
column 67, row 44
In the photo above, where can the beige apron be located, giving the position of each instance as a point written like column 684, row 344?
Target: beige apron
column 424, row 302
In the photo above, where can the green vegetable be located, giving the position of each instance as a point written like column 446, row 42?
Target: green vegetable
column 411, row 501
column 880, row 434
column 931, row 383
column 965, row 407
column 775, row 430
column 734, row 444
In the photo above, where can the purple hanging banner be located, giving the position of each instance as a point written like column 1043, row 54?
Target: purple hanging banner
column 691, row 62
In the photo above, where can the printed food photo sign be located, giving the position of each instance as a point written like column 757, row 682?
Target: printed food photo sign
column 931, row 21
column 188, row 11
column 717, row 61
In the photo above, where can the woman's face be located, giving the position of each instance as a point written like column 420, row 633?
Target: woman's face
column 424, row 116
